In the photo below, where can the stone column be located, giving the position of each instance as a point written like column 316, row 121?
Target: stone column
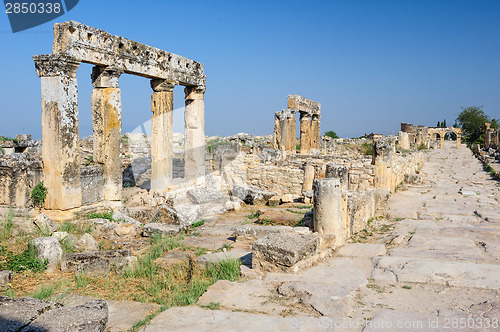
column 107, row 126
column 441, row 142
column 277, row 131
column 315, row 133
column 60, row 131
column 341, row 172
column 162, row 134
column 328, row 216
column 382, row 159
column 487, row 134
column 194, row 133
column 305, row 133
column 308, row 177
column 291, row 135
column 459, row 141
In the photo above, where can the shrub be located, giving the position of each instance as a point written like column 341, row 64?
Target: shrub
column 39, row 194
column 104, row 215
column 367, row 148
column 422, row 146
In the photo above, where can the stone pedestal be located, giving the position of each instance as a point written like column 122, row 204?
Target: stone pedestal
column 107, row 127
column 194, row 133
column 60, row 131
column 328, row 216
column 305, row 133
column 162, row 134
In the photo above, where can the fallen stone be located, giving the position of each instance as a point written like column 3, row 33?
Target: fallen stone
column 253, row 232
column 115, row 230
column 124, row 314
column 90, row 317
column 121, row 217
column 285, row 251
column 244, row 256
column 251, row 194
column 187, row 214
column 47, row 248
column 5, row 278
column 204, row 195
column 44, row 224
column 87, row 243
column 15, row 314
column 98, row 261
column 162, row 229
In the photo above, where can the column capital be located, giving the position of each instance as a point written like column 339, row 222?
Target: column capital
column 50, row 65
column 105, row 77
column 162, row 85
column 194, row 92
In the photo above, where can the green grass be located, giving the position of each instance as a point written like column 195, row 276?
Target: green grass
column 293, row 211
column 198, row 223
column 24, row 261
column 367, row 148
column 76, row 228
column 46, row 291
column 421, row 147
column 406, row 287
column 211, row 306
column 68, row 246
column 101, row 215
column 8, row 222
column 253, row 215
column 4, row 138
column 228, row 269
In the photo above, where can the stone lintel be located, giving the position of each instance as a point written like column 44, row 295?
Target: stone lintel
column 105, row 77
column 100, row 48
column 48, row 65
column 159, row 85
column 301, row 104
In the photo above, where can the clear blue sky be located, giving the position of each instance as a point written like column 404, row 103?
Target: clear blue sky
column 371, row 64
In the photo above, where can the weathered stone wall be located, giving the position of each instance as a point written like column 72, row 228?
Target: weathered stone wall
column 18, row 175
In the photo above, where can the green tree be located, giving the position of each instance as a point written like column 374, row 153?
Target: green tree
column 472, row 120
column 439, row 124
column 443, row 124
column 331, row 134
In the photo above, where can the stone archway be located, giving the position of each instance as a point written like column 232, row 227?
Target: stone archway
column 434, row 131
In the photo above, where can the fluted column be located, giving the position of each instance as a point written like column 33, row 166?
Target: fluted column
column 60, row 131
column 194, row 133
column 107, row 126
column 162, row 134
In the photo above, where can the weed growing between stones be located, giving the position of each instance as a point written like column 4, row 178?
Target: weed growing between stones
column 76, row 228
column 38, row 195
column 253, row 215
column 101, row 215
column 24, row 261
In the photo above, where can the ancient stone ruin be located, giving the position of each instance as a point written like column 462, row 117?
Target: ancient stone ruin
column 112, row 56
column 285, row 138
column 417, row 135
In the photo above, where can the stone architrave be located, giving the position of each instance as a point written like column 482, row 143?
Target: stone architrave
column 162, row 134
column 194, row 133
column 60, row 130
column 107, row 127
column 328, row 216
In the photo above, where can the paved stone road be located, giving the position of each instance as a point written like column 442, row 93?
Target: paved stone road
column 433, row 265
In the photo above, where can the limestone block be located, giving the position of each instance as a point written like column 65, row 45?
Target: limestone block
column 5, row 278
column 284, row 251
column 44, row 224
column 162, row 229
column 244, row 256
column 252, row 232
column 204, row 195
column 97, row 261
column 47, row 248
column 251, row 194
column 87, row 243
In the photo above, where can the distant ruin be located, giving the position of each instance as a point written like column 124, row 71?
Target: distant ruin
column 285, row 137
column 418, row 134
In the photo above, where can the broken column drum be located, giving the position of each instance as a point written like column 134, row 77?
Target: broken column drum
column 328, row 217
column 112, row 56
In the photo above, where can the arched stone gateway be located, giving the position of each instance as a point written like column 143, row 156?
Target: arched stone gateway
column 113, row 56
column 434, row 131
